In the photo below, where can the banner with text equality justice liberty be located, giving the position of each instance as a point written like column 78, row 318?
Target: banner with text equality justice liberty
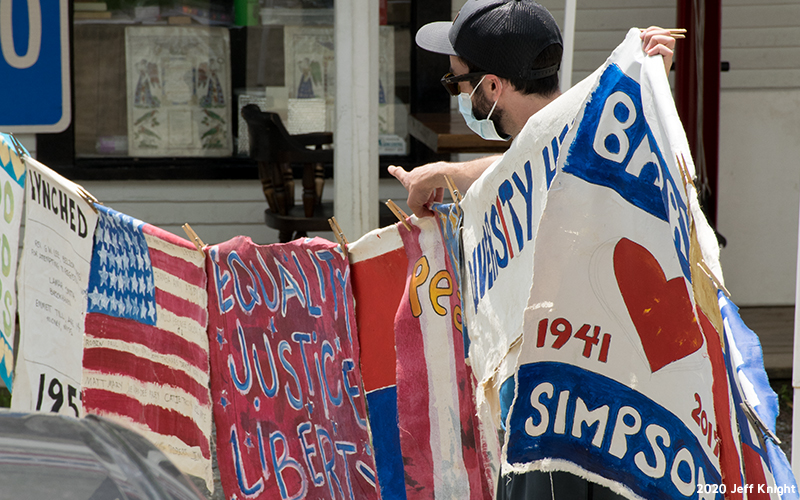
column 614, row 369
column 286, row 386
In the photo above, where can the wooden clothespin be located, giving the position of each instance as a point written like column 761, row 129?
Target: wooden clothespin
column 753, row 417
column 17, row 146
column 398, row 212
column 88, row 198
column 454, row 193
column 339, row 235
column 677, row 33
column 717, row 283
column 684, row 168
column 198, row 243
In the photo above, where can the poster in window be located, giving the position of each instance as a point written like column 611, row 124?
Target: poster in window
column 179, row 95
column 310, row 70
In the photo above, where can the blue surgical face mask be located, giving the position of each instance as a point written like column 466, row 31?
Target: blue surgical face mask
column 484, row 128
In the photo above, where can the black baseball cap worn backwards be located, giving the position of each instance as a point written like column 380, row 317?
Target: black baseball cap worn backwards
column 502, row 37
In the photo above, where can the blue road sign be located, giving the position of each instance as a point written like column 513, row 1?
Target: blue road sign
column 34, row 66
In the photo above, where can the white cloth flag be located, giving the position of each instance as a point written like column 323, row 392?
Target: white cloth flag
column 590, row 302
column 502, row 210
column 53, row 278
column 614, row 361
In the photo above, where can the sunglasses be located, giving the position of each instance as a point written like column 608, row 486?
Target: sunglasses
column 450, row 81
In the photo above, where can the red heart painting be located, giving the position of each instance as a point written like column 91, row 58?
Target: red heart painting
column 660, row 310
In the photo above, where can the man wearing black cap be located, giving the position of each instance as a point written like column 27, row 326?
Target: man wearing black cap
column 504, row 62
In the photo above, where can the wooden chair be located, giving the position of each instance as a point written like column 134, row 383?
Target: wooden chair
column 276, row 151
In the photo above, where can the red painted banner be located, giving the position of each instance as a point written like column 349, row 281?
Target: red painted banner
column 285, row 380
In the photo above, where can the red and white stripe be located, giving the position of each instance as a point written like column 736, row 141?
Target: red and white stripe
column 155, row 379
column 439, row 442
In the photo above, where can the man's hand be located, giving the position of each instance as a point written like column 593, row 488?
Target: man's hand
column 657, row 40
column 425, row 185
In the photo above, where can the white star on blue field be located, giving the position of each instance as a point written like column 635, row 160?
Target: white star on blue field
column 121, row 276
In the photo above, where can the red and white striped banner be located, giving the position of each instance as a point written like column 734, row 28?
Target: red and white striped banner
column 146, row 349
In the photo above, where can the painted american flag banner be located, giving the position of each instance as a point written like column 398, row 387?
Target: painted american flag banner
column 286, row 386
column 617, row 368
column 12, row 183
column 52, row 281
column 145, row 359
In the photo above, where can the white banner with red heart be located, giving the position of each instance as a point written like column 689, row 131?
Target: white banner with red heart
column 614, row 369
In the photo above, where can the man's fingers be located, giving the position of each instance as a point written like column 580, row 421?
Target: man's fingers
column 660, row 40
column 399, row 173
column 419, row 209
column 659, row 49
column 654, row 36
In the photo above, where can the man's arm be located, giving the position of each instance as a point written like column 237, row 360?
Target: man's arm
column 426, row 184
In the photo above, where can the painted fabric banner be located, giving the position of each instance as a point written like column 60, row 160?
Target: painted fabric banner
column 501, row 213
column 53, row 276
column 145, row 359
column 766, row 466
column 428, row 443
column 285, row 381
column 378, row 267
column 12, row 181
column 616, row 370
column 440, row 439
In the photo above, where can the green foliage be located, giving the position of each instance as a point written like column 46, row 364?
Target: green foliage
column 5, row 398
column 785, row 395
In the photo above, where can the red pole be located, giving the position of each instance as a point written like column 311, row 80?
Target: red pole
column 711, row 86
column 697, row 77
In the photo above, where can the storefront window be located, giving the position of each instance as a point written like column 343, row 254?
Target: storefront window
column 167, row 79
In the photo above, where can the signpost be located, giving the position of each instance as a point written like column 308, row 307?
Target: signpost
column 34, row 66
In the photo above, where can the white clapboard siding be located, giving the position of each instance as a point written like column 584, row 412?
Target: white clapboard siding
column 758, row 175
column 761, row 41
column 601, row 25
column 216, row 210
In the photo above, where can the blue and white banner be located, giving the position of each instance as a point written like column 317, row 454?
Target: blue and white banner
column 501, row 213
column 594, row 324
column 766, row 466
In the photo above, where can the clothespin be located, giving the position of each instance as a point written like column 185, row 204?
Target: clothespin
column 753, row 417
column 684, row 168
column 17, row 146
column 339, row 234
column 677, row 32
column 198, row 243
column 88, row 198
column 704, row 267
column 717, row 283
column 454, row 193
column 398, row 212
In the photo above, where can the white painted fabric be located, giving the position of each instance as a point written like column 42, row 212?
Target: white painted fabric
column 53, row 277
